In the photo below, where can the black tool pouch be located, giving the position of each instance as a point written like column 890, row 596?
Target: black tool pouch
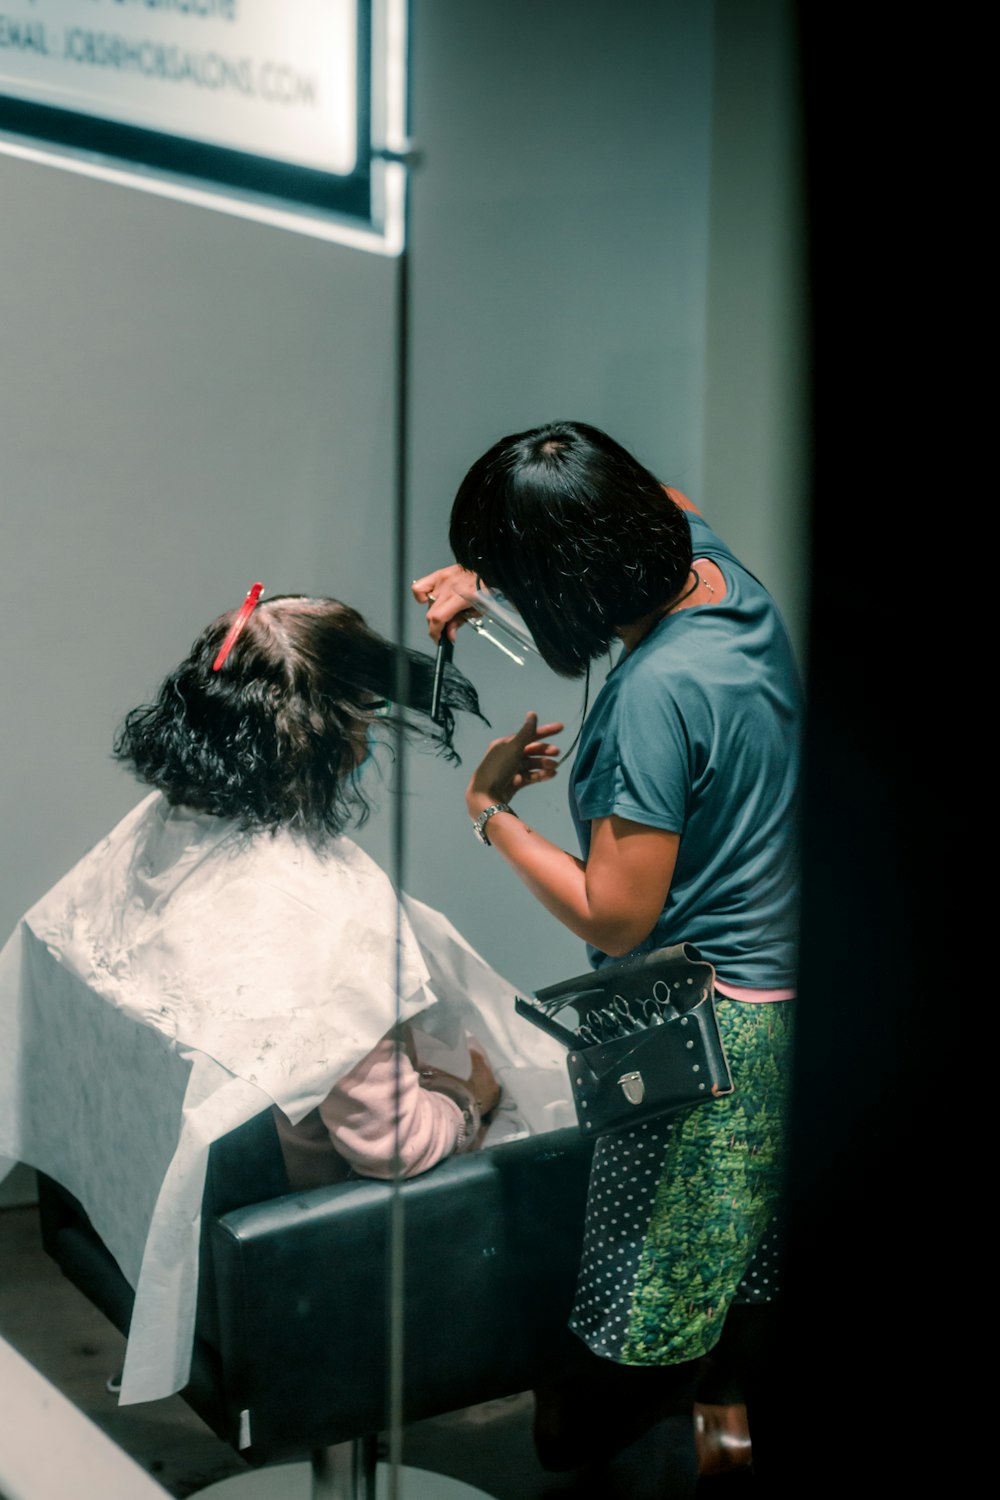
column 642, row 1037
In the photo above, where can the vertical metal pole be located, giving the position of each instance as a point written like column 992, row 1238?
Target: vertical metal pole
column 401, row 594
column 333, row 1472
column 398, row 151
column 401, row 695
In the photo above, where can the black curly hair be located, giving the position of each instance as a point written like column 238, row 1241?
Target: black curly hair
column 578, row 534
column 273, row 738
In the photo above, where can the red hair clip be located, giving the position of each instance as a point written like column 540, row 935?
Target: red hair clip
column 246, row 610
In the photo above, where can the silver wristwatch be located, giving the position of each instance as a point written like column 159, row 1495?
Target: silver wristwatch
column 479, row 824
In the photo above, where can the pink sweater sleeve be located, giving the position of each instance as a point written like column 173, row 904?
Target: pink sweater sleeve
column 360, row 1113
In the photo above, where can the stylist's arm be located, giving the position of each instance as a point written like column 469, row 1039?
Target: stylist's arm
column 614, row 899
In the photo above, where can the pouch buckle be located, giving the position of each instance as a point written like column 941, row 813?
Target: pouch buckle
column 632, row 1087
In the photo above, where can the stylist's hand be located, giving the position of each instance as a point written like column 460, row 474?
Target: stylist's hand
column 519, row 760
column 447, row 591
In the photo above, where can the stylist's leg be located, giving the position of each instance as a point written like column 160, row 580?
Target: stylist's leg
column 630, row 1426
column 749, row 1347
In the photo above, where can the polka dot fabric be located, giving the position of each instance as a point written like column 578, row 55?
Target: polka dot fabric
column 623, row 1182
column 681, row 1213
column 762, row 1282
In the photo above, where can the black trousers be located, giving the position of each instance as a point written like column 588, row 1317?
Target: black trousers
column 630, row 1429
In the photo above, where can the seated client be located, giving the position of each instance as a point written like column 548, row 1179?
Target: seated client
column 232, row 910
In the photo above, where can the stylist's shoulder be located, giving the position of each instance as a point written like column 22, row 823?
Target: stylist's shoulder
column 681, row 499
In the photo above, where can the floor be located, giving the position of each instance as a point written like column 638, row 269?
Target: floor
column 53, row 1326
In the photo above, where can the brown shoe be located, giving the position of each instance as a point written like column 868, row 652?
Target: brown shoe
column 721, row 1439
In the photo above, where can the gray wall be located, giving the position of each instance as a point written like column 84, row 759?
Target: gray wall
column 757, row 377
column 190, row 401
column 560, row 229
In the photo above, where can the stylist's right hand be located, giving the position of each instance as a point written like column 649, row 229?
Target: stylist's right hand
column 517, row 761
column 447, row 591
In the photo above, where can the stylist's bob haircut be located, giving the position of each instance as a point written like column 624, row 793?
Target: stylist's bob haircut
column 578, row 535
column 275, row 738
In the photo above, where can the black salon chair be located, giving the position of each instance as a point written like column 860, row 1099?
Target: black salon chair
column 290, row 1354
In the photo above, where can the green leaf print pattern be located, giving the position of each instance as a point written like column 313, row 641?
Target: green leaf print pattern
column 718, row 1190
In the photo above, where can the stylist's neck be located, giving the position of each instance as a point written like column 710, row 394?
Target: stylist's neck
column 694, row 590
column 638, row 630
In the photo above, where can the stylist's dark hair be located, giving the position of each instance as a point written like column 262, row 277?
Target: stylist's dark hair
column 273, row 739
column 575, row 532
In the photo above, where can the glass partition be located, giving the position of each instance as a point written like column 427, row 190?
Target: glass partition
column 203, row 401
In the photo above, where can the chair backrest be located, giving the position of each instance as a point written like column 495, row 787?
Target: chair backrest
column 491, row 1250
column 244, row 1167
column 293, row 1319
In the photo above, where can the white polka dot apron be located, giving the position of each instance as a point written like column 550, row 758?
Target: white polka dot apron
column 683, row 1214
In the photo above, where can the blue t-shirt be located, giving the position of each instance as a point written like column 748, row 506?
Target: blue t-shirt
column 697, row 731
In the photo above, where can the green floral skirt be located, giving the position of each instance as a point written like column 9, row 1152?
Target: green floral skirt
column 683, row 1215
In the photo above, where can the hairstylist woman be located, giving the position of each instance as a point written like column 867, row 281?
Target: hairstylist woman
column 683, row 793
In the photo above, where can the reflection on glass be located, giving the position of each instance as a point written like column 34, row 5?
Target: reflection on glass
column 505, row 628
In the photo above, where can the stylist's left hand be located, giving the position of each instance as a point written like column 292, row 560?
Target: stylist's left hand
column 519, row 760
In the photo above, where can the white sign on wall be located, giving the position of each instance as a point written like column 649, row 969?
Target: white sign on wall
column 273, row 78
column 289, row 112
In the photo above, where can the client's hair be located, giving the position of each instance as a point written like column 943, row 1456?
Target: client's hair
column 274, row 738
column 576, row 532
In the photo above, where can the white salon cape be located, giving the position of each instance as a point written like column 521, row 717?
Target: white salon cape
column 182, row 978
